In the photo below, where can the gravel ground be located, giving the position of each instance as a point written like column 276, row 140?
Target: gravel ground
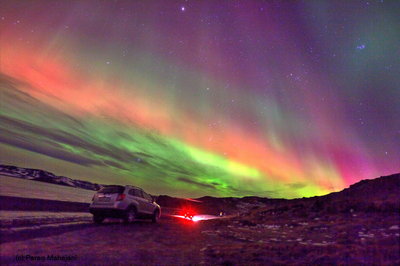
column 25, row 218
column 325, row 240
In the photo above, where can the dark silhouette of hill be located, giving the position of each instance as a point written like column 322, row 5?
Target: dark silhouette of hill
column 380, row 195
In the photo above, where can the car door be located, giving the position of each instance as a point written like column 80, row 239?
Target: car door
column 135, row 196
column 149, row 202
column 143, row 208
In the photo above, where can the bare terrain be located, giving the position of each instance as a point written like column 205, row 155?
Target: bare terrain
column 345, row 239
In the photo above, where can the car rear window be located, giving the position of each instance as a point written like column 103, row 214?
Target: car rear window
column 112, row 189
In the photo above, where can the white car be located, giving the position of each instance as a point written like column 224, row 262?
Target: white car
column 126, row 202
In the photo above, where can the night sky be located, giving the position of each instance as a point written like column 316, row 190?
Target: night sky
column 192, row 98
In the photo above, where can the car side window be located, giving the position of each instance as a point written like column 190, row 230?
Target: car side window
column 131, row 192
column 138, row 193
column 147, row 196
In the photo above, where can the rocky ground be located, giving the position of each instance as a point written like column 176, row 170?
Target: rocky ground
column 16, row 219
column 351, row 238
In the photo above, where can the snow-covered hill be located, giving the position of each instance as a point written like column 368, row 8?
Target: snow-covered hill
column 44, row 176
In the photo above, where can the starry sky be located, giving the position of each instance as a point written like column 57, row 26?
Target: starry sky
column 191, row 98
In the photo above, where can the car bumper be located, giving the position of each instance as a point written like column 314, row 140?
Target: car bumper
column 107, row 212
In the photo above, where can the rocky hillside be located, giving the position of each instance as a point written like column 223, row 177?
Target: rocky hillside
column 376, row 195
column 380, row 195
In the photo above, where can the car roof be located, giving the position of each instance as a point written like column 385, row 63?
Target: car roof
column 126, row 186
column 129, row 186
column 113, row 186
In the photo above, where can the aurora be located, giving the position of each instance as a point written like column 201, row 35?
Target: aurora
column 194, row 98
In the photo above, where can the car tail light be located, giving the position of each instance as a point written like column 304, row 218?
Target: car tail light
column 120, row 197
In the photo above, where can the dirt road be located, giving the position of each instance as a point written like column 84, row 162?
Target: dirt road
column 171, row 242
column 278, row 240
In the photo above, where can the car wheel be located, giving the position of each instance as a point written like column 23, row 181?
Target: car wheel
column 156, row 216
column 130, row 216
column 98, row 219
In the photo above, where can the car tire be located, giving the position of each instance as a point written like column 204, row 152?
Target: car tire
column 156, row 216
column 98, row 219
column 130, row 216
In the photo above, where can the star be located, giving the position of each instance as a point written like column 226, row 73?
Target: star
column 183, row 8
column 361, row 47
